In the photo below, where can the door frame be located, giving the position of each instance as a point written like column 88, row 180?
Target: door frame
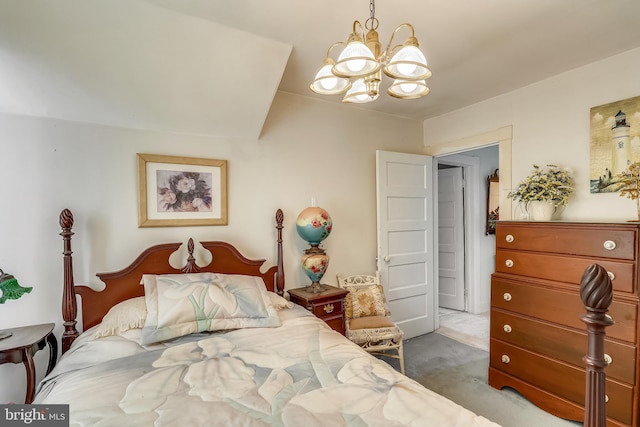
column 459, row 241
column 472, row 220
column 503, row 137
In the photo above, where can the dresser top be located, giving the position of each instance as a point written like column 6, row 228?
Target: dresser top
column 565, row 222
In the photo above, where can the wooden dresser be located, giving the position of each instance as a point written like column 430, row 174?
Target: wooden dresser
column 537, row 338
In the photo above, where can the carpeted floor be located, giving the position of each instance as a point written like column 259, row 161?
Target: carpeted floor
column 459, row 372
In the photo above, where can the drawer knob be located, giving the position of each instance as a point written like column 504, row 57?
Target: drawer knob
column 505, row 358
column 328, row 308
column 609, row 245
column 509, row 263
column 611, row 275
column 507, row 296
column 509, row 238
column 507, row 328
column 608, row 359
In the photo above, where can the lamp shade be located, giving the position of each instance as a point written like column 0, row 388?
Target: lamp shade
column 358, row 94
column 327, row 83
column 9, row 288
column 406, row 89
column 314, row 224
column 408, row 64
column 356, row 60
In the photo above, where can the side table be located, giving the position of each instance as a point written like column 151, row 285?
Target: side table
column 23, row 344
column 327, row 305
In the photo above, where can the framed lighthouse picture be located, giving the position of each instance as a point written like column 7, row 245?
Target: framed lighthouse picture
column 615, row 142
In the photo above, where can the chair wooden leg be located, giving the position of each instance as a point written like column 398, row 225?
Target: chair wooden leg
column 401, row 356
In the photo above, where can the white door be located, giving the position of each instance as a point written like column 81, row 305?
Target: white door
column 451, row 238
column 405, row 240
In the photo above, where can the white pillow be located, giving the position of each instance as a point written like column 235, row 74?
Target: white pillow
column 128, row 314
column 278, row 302
column 182, row 304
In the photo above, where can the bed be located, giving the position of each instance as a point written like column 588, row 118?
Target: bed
column 219, row 345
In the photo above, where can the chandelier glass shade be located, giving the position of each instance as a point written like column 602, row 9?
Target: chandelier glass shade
column 360, row 92
column 358, row 68
column 356, row 60
column 408, row 64
column 327, row 83
column 407, row 89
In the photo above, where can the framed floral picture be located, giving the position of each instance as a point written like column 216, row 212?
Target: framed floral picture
column 181, row 191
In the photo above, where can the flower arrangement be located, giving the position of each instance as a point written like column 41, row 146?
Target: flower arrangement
column 550, row 184
column 185, row 192
column 630, row 180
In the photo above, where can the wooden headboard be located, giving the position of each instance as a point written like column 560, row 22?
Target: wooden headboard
column 125, row 283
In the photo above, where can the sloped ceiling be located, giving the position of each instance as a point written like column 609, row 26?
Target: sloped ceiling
column 476, row 49
column 213, row 66
column 137, row 65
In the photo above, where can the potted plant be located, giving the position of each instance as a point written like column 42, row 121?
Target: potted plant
column 630, row 184
column 543, row 191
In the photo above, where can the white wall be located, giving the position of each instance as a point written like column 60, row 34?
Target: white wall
column 551, row 125
column 308, row 149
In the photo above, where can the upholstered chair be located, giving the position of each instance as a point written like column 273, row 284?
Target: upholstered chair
column 368, row 320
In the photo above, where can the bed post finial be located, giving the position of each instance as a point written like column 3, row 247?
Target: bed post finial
column 191, row 266
column 596, row 293
column 69, row 306
column 280, row 272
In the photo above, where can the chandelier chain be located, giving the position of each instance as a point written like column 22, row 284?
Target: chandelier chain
column 372, row 23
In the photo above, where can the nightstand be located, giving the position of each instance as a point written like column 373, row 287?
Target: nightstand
column 23, row 344
column 327, row 305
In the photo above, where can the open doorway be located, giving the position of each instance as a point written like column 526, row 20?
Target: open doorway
column 465, row 253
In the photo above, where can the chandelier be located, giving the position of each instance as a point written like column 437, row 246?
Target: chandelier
column 358, row 68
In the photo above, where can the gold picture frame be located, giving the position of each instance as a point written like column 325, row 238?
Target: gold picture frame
column 178, row 191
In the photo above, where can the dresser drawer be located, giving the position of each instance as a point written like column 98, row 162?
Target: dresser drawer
column 559, row 306
column 561, row 343
column 561, row 379
column 328, row 308
column 563, row 268
column 602, row 242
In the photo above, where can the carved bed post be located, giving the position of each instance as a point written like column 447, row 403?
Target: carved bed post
column 596, row 293
column 280, row 273
column 69, row 306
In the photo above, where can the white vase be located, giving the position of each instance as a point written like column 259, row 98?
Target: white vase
column 540, row 210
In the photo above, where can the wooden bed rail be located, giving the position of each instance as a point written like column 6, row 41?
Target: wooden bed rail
column 125, row 284
column 596, row 293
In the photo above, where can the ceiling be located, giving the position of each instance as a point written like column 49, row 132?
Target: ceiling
column 213, row 67
column 475, row 49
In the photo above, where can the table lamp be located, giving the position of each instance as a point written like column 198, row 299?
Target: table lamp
column 10, row 289
column 314, row 225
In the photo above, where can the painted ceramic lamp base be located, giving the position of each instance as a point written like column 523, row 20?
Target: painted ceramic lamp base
column 314, row 266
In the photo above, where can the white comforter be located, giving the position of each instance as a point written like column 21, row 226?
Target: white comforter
column 299, row 374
